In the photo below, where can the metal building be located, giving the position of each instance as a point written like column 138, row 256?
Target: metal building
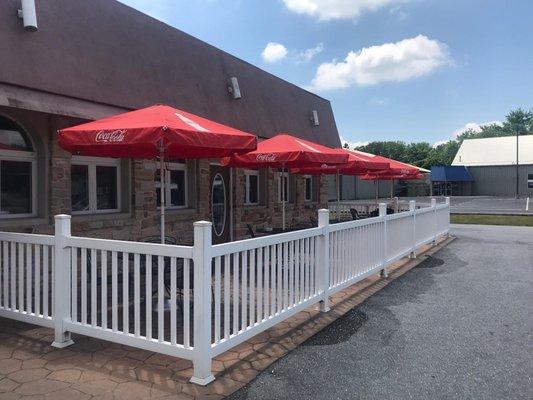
column 492, row 163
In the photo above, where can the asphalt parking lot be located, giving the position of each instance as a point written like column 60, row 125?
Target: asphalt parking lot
column 483, row 204
column 458, row 326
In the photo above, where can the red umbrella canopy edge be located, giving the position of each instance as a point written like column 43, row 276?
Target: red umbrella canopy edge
column 395, row 167
column 287, row 151
column 139, row 134
column 357, row 164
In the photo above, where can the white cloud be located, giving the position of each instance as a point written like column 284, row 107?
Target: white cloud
column 274, row 52
column 326, row 10
column 389, row 62
column 475, row 126
column 353, row 144
column 439, row 142
column 379, row 101
column 309, row 54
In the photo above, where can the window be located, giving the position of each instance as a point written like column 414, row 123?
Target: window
column 308, row 188
column 285, row 176
column 95, row 185
column 175, row 186
column 530, row 181
column 251, row 193
column 18, row 169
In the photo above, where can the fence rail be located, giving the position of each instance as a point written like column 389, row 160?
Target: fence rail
column 196, row 302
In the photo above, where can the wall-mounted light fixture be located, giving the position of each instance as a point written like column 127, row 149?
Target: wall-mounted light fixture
column 314, row 118
column 234, row 89
column 28, row 15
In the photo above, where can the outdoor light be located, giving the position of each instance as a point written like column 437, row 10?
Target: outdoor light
column 234, row 88
column 314, row 118
column 28, row 15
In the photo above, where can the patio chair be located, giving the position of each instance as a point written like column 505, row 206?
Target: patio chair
column 355, row 214
column 250, row 230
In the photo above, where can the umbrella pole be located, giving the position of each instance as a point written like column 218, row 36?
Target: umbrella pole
column 162, row 185
column 338, row 196
column 283, row 195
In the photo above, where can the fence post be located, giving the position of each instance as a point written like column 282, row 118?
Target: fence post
column 447, row 200
column 202, row 356
column 434, row 211
column 383, row 213
column 61, row 270
column 323, row 257
column 412, row 208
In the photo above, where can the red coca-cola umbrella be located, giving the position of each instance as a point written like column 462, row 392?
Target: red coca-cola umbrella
column 358, row 164
column 395, row 167
column 159, row 131
column 286, row 151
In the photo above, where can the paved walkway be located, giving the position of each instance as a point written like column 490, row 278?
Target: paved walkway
column 458, row 326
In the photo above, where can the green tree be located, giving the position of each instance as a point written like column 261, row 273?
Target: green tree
column 423, row 155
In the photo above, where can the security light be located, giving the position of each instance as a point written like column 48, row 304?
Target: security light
column 28, row 15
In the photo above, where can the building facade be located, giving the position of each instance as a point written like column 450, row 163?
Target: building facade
column 492, row 163
column 93, row 59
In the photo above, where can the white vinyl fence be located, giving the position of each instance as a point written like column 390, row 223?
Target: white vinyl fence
column 196, row 302
column 342, row 211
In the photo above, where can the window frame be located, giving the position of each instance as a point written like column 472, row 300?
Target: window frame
column 287, row 175
column 92, row 163
column 173, row 166
column 23, row 156
column 529, row 181
column 247, row 174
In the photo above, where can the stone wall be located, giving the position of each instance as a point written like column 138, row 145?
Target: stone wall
column 140, row 218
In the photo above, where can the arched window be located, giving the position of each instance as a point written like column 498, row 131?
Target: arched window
column 17, row 171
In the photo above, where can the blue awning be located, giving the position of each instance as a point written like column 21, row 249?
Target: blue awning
column 450, row 173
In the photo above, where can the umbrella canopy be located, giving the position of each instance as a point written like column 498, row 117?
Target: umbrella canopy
column 395, row 167
column 286, row 151
column 357, row 164
column 140, row 134
column 158, row 131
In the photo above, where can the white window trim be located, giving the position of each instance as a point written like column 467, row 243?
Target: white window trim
column 23, row 156
column 92, row 163
column 286, row 174
column 310, row 199
column 247, row 174
column 174, row 167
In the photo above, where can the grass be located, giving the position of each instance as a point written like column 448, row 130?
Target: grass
column 509, row 220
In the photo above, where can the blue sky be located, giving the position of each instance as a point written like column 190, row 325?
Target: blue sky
column 412, row 70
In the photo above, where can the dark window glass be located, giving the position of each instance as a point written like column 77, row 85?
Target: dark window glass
column 12, row 137
column 177, row 188
column 15, row 188
column 308, row 189
column 106, row 188
column 285, row 189
column 253, row 189
column 79, row 187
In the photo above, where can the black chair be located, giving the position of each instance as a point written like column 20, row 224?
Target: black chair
column 250, row 231
column 355, row 214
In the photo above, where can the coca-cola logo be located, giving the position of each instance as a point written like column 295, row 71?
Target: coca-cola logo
column 266, row 157
column 110, row 137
